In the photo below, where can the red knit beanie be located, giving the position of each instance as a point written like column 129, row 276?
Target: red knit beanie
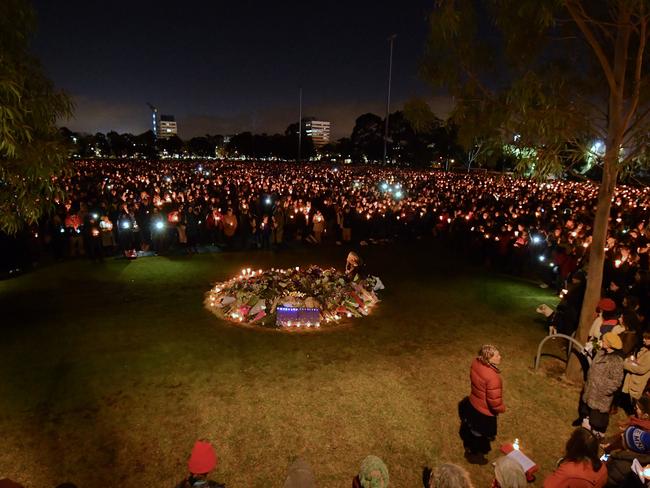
column 203, row 458
column 607, row 305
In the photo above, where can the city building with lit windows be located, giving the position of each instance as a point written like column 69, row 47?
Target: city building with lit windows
column 167, row 127
column 319, row 131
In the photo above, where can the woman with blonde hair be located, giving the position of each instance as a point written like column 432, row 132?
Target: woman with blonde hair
column 478, row 412
column 448, row 476
column 508, row 473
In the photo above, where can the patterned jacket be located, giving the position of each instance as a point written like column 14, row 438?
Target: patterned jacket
column 604, row 378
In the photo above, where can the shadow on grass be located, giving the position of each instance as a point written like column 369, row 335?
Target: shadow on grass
column 117, row 368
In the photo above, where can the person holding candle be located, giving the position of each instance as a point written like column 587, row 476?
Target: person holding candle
column 633, row 443
column 479, row 411
column 229, row 226
column 635, row 431
column 581, row 466
column 637, row 369
column 346, row 224
column 603, row 380
column 353, row 264
column 318, row 226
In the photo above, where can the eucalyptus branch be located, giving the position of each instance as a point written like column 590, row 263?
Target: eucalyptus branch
column 637, row 122
column 637, row 72
column 580, row 19
column 486, row 92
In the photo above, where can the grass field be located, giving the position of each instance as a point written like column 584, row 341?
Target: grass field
column 110, row 372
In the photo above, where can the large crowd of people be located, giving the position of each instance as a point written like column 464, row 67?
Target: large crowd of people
column 518, row 225
column 120, row 207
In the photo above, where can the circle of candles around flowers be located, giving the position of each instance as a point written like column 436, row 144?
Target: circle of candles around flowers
column 288, row 317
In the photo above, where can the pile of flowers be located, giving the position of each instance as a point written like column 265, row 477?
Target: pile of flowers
column 254, row 296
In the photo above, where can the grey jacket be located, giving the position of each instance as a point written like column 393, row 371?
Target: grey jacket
column 604, row 378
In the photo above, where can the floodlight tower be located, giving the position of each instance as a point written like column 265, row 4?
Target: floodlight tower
column 154, row 122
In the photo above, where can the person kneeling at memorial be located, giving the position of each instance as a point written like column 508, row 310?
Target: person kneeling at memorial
column 604, row 379
column 581, row 465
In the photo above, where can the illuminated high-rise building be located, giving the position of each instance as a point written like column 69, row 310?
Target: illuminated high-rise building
column 319, row 131
column 167, row 127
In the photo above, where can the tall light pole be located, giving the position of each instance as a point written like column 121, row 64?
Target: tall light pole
column 300, row 125
column 390, row 76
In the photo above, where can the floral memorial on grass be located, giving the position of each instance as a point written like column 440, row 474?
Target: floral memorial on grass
column 293, row 298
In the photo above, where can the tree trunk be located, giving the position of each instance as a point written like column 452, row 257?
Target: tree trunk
column 615, row 131
column 599, row 234
column 596, row 258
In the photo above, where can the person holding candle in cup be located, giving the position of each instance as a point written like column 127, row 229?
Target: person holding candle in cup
column 603, row 380
column 637, row 369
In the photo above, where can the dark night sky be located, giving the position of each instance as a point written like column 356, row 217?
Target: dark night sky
column 224, row 67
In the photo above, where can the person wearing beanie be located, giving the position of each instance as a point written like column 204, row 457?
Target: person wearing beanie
column 372, row 474
column 300, row 475
column 603, row 380
column 606, row 318
column 202, row 461
column 508, row 473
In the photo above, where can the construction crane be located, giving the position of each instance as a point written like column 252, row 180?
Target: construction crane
column 154, row 112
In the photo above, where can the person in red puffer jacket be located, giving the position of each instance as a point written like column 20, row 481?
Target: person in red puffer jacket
column 478, row 412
